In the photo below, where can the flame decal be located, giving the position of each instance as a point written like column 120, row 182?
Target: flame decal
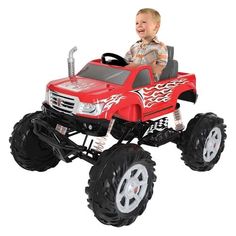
column 112, row 100
column 158, row 93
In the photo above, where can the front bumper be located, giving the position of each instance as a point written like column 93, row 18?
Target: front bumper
column 89, row 126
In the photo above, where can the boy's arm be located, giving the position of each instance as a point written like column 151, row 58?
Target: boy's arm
column 128, row 56
column 162, row 59
column 129, row 59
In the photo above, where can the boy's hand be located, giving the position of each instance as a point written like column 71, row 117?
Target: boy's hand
column 156, row 68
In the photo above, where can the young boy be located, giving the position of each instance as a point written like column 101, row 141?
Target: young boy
column 148, row 50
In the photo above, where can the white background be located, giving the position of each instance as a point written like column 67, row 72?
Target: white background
column 35, row 39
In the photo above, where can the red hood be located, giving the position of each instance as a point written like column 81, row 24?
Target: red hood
column 84, row 88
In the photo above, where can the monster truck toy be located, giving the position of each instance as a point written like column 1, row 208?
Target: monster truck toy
column 109, row 98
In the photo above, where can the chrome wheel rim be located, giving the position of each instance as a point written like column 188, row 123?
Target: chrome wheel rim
column 212, row 144
column 132, row 188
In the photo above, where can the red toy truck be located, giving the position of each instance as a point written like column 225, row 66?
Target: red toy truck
column 107, row 97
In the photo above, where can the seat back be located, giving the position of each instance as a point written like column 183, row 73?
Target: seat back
column 171, row 69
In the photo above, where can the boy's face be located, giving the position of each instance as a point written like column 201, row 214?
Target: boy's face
column 146, row 26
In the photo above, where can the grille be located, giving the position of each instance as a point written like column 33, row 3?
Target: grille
column 62, row 102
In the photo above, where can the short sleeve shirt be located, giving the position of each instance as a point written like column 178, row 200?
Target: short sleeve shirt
column 146, row 54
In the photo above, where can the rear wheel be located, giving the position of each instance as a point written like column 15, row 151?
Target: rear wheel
column 203, row 141
column 27, row 149
column 120, row 184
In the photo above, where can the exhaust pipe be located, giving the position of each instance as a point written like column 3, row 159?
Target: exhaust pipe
column 71, row 62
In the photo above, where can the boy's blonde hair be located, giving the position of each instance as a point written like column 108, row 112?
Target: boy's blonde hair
column 156, row 15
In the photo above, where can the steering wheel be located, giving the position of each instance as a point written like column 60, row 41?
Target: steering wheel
column 117, row 60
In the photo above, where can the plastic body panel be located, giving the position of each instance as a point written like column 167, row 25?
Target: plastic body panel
column 123, row 101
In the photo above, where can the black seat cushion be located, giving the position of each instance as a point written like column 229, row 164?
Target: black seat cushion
column 171, row 69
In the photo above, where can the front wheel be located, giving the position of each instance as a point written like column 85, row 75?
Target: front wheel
column 27, row 149
column 203, row 141
column 120, row 184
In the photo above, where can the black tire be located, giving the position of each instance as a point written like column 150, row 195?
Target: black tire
column 203, row 141
column 106, row 179
column 27, row 149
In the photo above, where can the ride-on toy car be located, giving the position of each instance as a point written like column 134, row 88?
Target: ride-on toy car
column 109, row 98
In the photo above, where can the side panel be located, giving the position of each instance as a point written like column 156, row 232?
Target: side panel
column 128, row 108
column 130, row 113
column 149, row 102
column 161, row 98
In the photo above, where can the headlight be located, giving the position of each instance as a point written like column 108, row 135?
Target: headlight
column 90, row 108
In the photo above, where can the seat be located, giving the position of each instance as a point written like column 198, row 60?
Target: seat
column 171, row 69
